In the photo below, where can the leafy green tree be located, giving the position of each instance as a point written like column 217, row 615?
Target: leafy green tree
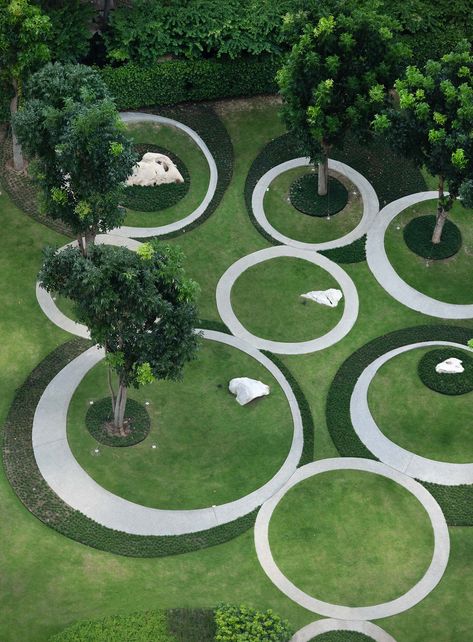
column 139, row 306
column 71, row 126
column 432, row 125
column 245, row 623
column 24, row 37
column 335, row 77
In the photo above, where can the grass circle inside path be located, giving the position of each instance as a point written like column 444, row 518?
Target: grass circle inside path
column 304, row 196
column 351, row 538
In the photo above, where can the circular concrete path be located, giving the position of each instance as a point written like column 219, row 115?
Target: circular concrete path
column 370, row 204
column 314, row 629
column 427, row 470
column 387, row 276
column 417, row 593
column 225, row 309
column 141, row 232
column 76, row 488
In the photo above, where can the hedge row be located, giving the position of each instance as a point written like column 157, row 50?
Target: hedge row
column 455, row 501
column 33, row 491
column 342, row 636
column 353, row 253
column 177, row 81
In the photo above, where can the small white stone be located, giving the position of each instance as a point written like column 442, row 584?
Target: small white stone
column 247, row 389
column 154, row 446
column 329, row 297
column 91, row 403
column 450, row 366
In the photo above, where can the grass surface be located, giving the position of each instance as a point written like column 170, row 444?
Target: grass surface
column 446, row 280
column 210, row 450
column 185, row 148
column 49, row 581
column 266, row 298
column 351, row 538
column 426, row 422
column 284, row 217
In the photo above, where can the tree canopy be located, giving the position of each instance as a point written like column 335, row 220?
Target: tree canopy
column 140, row 306
column 335, row 78
column 432, row 121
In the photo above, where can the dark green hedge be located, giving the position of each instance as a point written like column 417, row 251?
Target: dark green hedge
column 176, row 81
column 342, row 636
column 304, row 196
column 455, row 501
column 448, row 384
column 136, row 416
column 418, row 238
column 353, row 253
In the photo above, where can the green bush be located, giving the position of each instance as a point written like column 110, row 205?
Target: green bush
column 139, row 627
column 176, row 81
column 242, row 623
column 418, row 234
column 101, row 413
column 447, row 384
column 353, row 253
column 305, row 198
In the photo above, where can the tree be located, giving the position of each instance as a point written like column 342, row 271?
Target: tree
column 335, row 77
column 139, row 306
column 71, row 126
column 432, row 124
column 24, row 37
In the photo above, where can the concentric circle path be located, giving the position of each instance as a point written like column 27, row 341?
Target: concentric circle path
column 370, row 204
column 141, row 232
column 76, row 488
column 406, row 601
column 427, row 470
column 225, row 309
column 387, row 276
column 314, row 629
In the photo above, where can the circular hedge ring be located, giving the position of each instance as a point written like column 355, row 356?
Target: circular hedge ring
column 304, row 196
column 154, row 198
column 99, row 416
column 446, row 384
column 418, row 234
column 346, row 629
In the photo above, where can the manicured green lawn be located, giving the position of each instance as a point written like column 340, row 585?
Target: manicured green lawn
column 447, row 280
column 285, row 218
column 351, row 538
column 428, row 423
column 210, row 450
column 184, row 147
column 267, row 300
column 49, row 581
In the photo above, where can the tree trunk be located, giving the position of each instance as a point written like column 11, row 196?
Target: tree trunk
column 442, row 214
column 84, row 241
column 18, row 160
column 119, row 410
column 323, row 177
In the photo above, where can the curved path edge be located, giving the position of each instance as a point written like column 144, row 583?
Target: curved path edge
column 314, row 629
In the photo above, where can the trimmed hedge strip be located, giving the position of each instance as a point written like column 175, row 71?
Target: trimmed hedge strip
column 36, row 495
column 176, row 81
column 342, row 636
column 353, row 253
column 455, row 501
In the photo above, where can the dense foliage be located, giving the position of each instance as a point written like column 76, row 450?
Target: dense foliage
column 448, row 384
column 70, row 28
column 241, row 623
column 418, row 238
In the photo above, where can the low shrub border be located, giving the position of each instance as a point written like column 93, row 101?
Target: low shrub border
column 353, row 253
column 447, row 384
column 342, row 636
column 455, row 501
column 99, row 413
column 154, row 198
column 303, row 194
column 418, row 233
column 36, row 495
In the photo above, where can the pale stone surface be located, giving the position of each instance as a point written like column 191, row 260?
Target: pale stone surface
column 247, row 389
column 329, row 297
column 450, row 366
column 154, row 169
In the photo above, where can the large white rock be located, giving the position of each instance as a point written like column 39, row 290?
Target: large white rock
column 247, row 389
column 329, row 297
column 154, row 169
column 450, row 366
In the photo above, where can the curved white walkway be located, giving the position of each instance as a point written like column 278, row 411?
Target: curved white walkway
column 140, row 232
column 74, row 486
column 427, row 470
column 417, row 593
column 314, row 629
column 387, row 276
column 370, row 204
column 225, row 309
column 47, row 303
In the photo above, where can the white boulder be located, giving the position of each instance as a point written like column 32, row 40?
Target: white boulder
column 247, row 389
column 450, row 366
column 329, row 297
column 154, row 169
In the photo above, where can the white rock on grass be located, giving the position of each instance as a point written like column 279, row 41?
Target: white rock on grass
column 329, row 297
column 450, row 366
column 247, row 389
column 154, row 169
